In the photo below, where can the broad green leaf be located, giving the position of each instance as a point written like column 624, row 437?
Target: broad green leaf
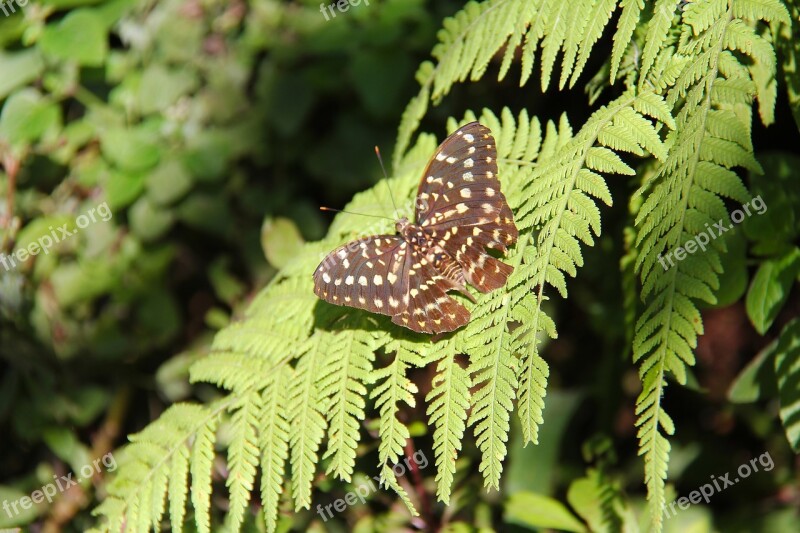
column 534, row 510
column 734, row 277
column 122, row 188
column 280, row 240
column 168, row 182
column 787, row 372
column 26, row 116
column 80, row 36
column 148, row 221
column 770, row 289
column 757, row 380
column 226, row 286
column 585, row 495
column 775, row 207
column 63, row 442
column 160, row 87
column 23, row 516
column 207, row 212
column 42, row 228
column 74, row 282
column 18, row 68
column 132, row 149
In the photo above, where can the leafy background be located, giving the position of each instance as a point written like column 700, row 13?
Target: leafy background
column 213, row 130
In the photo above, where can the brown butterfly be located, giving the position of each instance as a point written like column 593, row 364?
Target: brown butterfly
column 460, row 212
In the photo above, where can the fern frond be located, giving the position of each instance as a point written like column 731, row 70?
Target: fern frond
column 342, row 383
column 200, row 464
column 448, row 402
column 631, row 12
column 307, row 408
column 178, row 487
column 243, row 455
column 298, row 370
column 714, row 94
column 787, row 372
column 657, row 29
column 394, row 388
column 274, row 442
column 474, row 35
column 156, row 463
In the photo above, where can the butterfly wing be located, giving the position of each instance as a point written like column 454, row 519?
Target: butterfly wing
column 429, row 308
column 366, row 273
column 461, row 208
column 385, row 274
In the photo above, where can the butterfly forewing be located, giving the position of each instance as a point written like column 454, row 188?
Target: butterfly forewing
column 461, row 206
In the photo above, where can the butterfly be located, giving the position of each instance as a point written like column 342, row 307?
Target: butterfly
column 460, row 212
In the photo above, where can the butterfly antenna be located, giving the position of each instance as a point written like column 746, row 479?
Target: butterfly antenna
column 380, row 160
column 352, row 213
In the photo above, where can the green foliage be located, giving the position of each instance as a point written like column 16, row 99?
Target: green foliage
column 554, row 196
column 172, row 131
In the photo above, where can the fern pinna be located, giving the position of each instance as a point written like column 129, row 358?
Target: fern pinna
column 302, row 377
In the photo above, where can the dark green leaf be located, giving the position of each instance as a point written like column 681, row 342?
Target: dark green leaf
column 770, row 289
column 787, row 372
column 80, row 36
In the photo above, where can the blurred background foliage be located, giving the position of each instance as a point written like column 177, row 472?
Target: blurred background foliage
column 213, row 129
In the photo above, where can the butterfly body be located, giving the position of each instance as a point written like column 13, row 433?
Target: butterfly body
column 460, row 212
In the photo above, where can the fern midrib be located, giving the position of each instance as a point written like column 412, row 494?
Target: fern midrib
column 671, row 288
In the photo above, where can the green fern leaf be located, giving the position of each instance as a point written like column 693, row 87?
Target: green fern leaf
column 274, row 442
column 342, row 383
column 631, row 12
column 201, row 460
column 178, row 487
column 448, row 402
column 712, row 135
column 307, row 415
column 787, row 372
column 393, row 389
column 243, row 455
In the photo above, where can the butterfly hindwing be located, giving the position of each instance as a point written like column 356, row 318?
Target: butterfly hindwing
column 367, row 273
column 430, row 309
